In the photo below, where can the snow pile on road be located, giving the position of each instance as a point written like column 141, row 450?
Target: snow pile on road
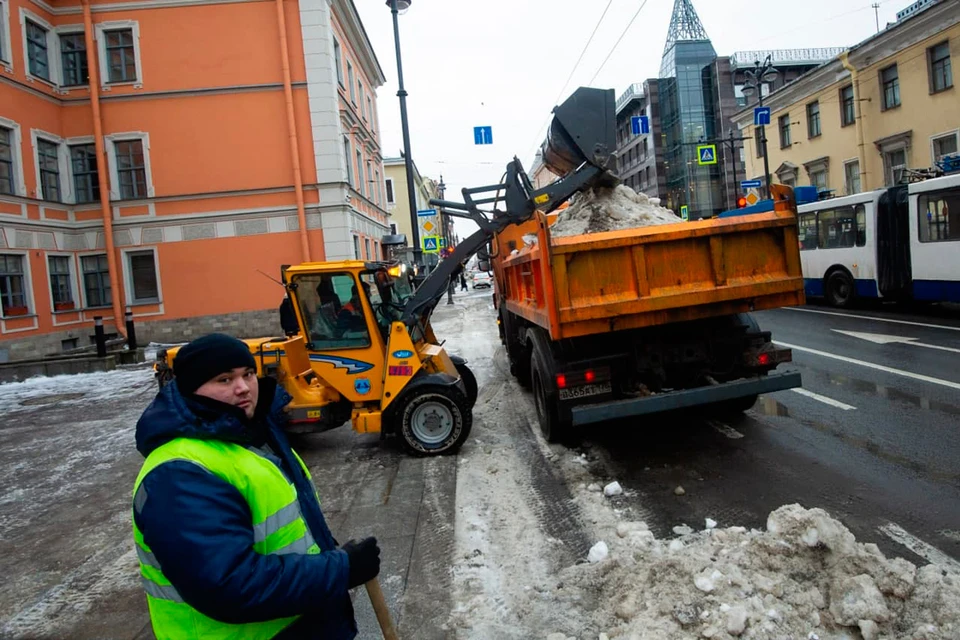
column 606, row 209
column 80, row 389
column 805, row 577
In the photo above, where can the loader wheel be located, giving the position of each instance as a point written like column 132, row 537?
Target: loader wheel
column 553, row 428
column 469, row 382
column 435, row 421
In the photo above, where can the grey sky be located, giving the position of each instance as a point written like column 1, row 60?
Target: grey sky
column 503, row 63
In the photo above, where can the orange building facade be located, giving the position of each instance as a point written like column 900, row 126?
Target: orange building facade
column 155, row 155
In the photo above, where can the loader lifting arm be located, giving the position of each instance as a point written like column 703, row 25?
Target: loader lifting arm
column 580, row 147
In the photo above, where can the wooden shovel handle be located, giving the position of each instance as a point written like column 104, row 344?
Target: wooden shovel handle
column 380, row 608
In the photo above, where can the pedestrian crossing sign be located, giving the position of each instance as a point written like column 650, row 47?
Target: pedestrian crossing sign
column 684, row 213
column 431, row 244
column 707, row 154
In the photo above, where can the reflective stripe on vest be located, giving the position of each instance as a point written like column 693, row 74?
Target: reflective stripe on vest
column 277, row 523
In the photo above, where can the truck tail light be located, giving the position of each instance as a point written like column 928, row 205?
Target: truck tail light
column 590, row 376
column 561, row 381
column 764, row 359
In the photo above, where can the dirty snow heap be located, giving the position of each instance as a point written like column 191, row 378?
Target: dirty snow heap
column 606, row 209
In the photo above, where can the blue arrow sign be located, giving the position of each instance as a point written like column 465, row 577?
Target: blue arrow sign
column 761, row 116
column 483, row 135
column 426, row 213
column 751, row 184
column 640, row 125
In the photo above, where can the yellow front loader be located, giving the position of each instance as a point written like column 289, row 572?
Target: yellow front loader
column 359, row 345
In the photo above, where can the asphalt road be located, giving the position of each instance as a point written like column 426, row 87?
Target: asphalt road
column 873, row 437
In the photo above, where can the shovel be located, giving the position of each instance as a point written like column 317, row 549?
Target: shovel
column 380, row 608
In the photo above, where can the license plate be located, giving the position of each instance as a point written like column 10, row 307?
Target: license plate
column 585, row 391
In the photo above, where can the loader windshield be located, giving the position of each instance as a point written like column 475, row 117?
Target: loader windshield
column 332, row 310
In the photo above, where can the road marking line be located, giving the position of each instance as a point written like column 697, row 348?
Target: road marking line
column 878, row 367
column 926, row 551
column 824, row 399
column 853, row 315
column 725, row 429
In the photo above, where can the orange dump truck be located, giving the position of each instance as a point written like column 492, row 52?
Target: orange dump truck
column 625, row 323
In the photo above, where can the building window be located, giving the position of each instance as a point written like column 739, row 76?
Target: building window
column 848, row 108
column 5, row 55
column 83, row 165
column 48, row 159
column 366, row 247
column 96, row 280
column 376, row 186
column 393, row 228
column 784, row 122
column 818, row 179
column 143, row 277
column 6, row 161
column 37, row 54
column 939, row 216
column 360, row 185
column 131, row 169
column 353, row 85
column 941, row 74
column 389, row 185
column 356, row 247
column 13, row 290
column 894, row 163
column 370, row 110
column 363, row 105
column 813, row 119
column 851, row 177
column 942, row 147
column 73, row 59
column 348, row 160
column 758, row 141
column 338, row 59
column 121, row 58
column 890, row 88
column 59, row 267
column 371, row 185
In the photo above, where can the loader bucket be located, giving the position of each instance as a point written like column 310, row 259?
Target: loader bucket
column 584, row 129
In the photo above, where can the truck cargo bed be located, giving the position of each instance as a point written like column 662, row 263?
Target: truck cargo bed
column 597, row 283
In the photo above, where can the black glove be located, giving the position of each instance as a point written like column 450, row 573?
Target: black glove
column 364, row 561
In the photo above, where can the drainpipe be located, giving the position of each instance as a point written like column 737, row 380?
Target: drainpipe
column 861, row 150
column 104, row 185
column 292, row 130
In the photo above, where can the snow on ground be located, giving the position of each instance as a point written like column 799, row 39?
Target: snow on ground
column 804, row 577
column 79, row 389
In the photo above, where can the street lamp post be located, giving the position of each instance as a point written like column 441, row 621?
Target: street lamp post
column 395, row 7
column 762, row 72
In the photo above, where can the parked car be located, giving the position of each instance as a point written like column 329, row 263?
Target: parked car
column 482, row 279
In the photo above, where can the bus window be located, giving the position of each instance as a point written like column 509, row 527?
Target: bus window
column 808, row 231
column 939, row 214
column 861, row 225
column 837, row 228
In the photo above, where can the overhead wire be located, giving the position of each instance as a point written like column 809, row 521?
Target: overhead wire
column 619, row 40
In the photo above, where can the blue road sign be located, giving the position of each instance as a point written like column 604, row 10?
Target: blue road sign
column 483, row 135
column 751, row 184
column 426, row 213
column 707, row 154
column 761, row 116
column 640, row 125
column 431, row 244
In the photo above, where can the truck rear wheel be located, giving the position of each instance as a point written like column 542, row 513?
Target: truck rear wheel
column 516, row 353
column 434, row 421
column 552, row 425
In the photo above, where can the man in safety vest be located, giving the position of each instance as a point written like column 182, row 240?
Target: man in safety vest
column 227, row 523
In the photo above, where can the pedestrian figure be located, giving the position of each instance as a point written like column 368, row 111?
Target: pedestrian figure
column 226, row 520
column 463, row 281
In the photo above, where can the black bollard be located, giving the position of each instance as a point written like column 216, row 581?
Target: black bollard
column 101, row 337
column 131, row 331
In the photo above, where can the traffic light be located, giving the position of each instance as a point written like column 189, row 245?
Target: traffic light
column 741, row 202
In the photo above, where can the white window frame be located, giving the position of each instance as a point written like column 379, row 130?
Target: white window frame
column 53, row 48
column 113, row 25
column 6, row 45
column 940, row 136
column 391, row 191
column 20, row 185
column 846, row 184
column 82, row 282
column 70, row 142
column 66, row 30
column 63, row 164
column 27, row 283
column 128, row 291
column 110, row 141
column 72, row 273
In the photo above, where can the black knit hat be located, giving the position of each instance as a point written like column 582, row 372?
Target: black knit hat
column 205, row 358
